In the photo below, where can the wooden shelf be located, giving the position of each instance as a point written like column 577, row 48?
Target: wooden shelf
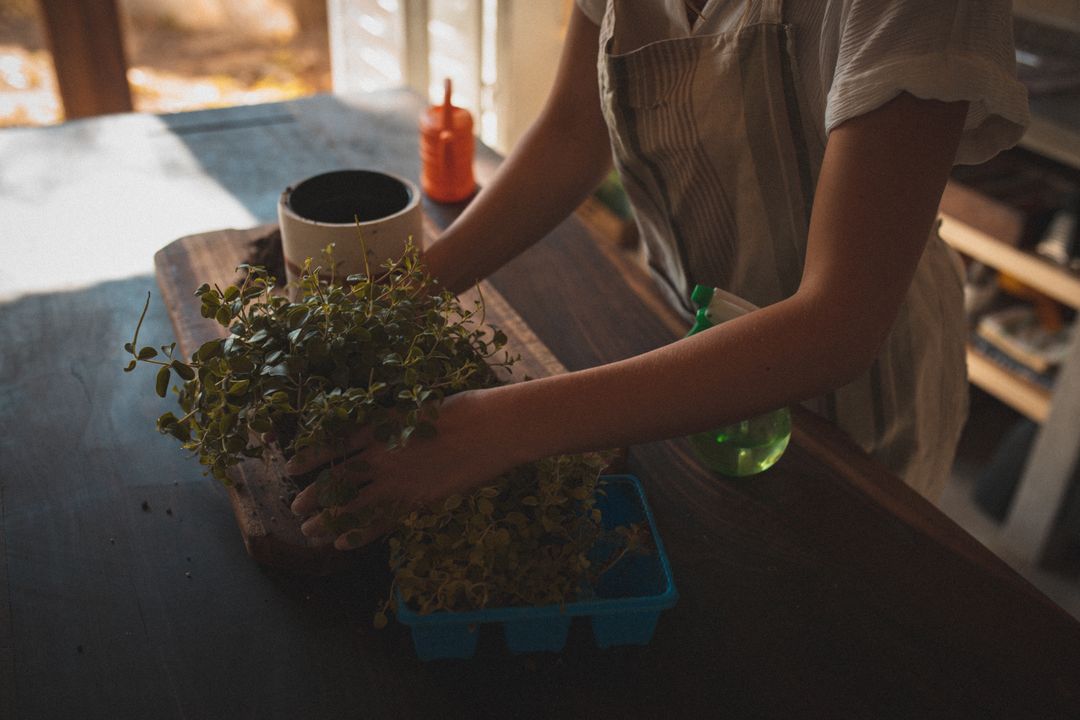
column 992, row 243
column 1021, row 395
column 1044, row 276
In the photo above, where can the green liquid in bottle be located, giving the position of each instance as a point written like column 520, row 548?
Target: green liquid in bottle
column 747, row 447
column 742, row 448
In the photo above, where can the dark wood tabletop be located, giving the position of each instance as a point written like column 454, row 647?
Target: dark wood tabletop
column 821, row 588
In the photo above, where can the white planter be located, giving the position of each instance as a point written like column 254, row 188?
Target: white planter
column 324, row 209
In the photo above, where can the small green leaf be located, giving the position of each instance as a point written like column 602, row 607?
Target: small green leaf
column 275, row 371
column 147, row 353
column 184, row 371
column 131, row 366
column 162, row 384
column 208, row 350
column 180, row 431
column 239, row 387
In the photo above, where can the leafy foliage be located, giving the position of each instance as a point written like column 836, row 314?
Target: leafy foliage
column 522, row 541
column 379, row 351
column 382, row 351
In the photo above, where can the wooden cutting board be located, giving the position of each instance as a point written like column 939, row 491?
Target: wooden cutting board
column 260, row 494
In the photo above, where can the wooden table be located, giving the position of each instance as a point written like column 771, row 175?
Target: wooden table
column 822, row 588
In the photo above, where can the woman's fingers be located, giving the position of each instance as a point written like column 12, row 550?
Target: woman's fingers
column 305, row 502
column 374, row 501
column 334, row 487
column 313, row 457
column 316, row 526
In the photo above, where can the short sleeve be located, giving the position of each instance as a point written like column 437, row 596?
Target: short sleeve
column 593, row 9
column 945, row 50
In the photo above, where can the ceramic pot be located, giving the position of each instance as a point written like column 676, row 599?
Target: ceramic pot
column 342, row 206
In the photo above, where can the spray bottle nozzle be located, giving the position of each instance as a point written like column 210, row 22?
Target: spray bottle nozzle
column 702, row 296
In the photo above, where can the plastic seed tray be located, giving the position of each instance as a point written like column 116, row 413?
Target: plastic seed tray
column 627, row 602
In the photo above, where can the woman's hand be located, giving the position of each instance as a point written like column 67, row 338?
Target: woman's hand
column 472, row 445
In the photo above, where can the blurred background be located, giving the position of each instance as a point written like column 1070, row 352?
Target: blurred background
column 63, row 59
column 181, row 55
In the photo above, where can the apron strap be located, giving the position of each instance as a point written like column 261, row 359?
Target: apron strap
column 771, row 12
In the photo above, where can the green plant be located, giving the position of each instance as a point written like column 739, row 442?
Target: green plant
column 373, row 352
column 381, row 352
column 521, row 541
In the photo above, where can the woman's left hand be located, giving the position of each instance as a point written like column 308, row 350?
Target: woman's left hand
column 471, row 446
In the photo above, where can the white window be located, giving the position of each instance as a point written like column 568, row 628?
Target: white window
column 501, row 55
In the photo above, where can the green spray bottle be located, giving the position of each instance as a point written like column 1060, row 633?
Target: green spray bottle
column 747, row 447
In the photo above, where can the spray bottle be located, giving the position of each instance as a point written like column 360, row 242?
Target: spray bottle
column 750, row 446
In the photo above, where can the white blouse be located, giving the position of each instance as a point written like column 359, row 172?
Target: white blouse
column 855, row 55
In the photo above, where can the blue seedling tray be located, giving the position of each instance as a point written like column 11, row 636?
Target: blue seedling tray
column 627, row 604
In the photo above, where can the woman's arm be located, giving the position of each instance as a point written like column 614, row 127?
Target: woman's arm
column 556, row 164
column 880, row 183
column 876, row 199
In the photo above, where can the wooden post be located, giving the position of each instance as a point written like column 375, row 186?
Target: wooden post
column 88, row 53
column 1048, row 474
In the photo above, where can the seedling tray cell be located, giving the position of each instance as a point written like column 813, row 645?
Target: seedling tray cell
column 623, row 611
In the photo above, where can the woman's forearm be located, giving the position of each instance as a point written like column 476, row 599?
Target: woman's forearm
column 728, row 373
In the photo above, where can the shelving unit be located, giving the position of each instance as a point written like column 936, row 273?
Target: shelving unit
column 988, row 232
column 1019, row 393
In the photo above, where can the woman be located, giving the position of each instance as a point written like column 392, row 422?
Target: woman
column 791, row 153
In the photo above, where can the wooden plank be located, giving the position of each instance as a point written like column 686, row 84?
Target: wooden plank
column 1019, row 394
column 1050, row 468
column 260, row 493
column 88, row 54
column 1030, row 269
column 996, row 219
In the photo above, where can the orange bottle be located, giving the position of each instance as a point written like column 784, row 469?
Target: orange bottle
column 446, row 151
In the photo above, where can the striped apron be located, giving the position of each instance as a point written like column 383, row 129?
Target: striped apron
column 720, row 159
